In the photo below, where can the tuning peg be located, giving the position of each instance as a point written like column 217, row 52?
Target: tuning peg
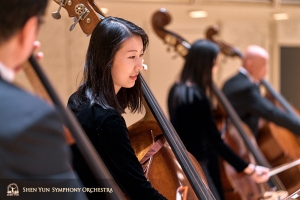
column 56, row 14
column 77, row 20
column 100, row 16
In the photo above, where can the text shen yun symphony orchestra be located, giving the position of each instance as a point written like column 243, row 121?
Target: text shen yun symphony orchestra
column 55, row 189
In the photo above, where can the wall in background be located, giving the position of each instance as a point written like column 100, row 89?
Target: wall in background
column 241, row 24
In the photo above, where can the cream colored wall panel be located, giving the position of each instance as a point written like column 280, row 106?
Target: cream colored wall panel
column 240, row 34
column 289, row 32
column 166, row 65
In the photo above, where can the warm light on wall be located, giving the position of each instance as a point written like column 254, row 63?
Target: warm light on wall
column 198, row 14
column 104, row 10
column 280, row 16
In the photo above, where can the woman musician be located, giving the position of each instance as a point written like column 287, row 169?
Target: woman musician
column 111, row 83
column 191, row 115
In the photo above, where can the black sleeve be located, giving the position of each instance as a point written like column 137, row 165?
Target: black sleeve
column 122, row 161
column 40, row 157
column 260, row 106
column 203, row 112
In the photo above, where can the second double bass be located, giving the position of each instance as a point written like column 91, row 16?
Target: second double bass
column 278, row 145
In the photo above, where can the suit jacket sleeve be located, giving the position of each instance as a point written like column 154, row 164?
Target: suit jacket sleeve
column 34, row 153
column 260, row 106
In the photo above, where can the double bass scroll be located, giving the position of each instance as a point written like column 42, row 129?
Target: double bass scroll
column 225, row 48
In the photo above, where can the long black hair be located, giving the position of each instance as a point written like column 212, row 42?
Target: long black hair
column 97, row 84
column 198, row 65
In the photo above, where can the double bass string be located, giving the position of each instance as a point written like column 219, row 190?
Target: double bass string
column 175, row 141
column 177, row 146
column 280, row 99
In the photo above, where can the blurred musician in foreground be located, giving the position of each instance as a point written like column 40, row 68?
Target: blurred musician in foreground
column 242, row 90
column 191, row 115
column 112, row 83
column 33, row 150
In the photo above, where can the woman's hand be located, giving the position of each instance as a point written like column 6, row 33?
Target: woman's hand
column 258, row 173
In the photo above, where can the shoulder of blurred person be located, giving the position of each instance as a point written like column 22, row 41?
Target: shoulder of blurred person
column 33, row 150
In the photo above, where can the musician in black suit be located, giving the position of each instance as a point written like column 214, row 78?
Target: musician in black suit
column 35, row 158
column 242, row 90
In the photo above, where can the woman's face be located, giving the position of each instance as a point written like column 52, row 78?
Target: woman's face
column 127, row 63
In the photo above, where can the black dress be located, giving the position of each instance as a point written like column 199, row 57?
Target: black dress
column 108, row 133
column 192, row 118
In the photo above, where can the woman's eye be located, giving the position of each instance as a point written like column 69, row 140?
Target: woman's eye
column 131, row 57
column 142, row 55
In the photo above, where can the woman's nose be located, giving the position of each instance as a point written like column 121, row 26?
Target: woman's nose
column 139, row 64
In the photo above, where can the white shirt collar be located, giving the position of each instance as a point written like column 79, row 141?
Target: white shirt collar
column 246, row 73
column 6, row 73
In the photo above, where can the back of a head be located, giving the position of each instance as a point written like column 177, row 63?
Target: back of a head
column 199, row 61
column 255, row 61
column 253, row 52
column 15, row 13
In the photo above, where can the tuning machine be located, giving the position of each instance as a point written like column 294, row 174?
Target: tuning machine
column 56, row 14
column 82, row 12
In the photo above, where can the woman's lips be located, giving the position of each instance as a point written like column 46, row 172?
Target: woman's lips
column 134, row 77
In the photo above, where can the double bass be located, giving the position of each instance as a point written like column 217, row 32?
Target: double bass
column 286, row 143
column 166, row 162
column 278, row 144
column 243, row 188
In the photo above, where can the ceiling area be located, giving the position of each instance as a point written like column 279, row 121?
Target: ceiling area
column 140, row 11
column 216, row 9
column 273, row 2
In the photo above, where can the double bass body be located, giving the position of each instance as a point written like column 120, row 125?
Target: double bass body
column 279, row 144
column 236, row 186
column 162, row 169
